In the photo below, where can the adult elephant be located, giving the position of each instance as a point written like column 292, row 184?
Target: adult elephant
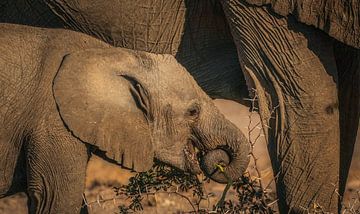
column 306, row 77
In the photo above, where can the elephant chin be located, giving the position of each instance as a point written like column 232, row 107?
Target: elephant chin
column 210, row 165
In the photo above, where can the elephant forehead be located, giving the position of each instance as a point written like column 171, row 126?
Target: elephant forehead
column 177, row 92
column 174, row 72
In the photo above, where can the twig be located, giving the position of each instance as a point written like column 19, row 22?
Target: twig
column 220, row 203
column 252, row 143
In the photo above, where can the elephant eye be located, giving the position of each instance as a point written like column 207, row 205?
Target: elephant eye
column 193, row 111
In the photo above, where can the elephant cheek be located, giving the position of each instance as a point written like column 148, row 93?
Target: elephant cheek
column 171, row 155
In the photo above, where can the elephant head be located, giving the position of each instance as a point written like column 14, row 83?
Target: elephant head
column 135, row 106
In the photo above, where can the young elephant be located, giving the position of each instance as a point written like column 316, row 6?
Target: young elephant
column 65, row 96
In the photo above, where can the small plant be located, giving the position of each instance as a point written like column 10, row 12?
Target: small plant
column 163, row 178
column 160, row 178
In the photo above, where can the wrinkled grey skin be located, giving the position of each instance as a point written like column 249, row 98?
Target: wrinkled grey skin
column 306, row 79
column 66, row 96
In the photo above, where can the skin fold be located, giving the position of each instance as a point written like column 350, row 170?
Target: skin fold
column 301, row 56
column 66, row 96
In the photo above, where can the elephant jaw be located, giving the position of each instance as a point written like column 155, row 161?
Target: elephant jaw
column 186, row 160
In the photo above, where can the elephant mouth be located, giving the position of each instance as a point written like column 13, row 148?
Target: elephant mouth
column 191, row 158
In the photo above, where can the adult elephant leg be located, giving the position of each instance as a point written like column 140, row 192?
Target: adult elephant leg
column 293, row 70
column 56, row 174
column 348, row 65
column 208, row 52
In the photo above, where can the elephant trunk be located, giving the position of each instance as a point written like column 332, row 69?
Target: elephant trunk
column 226, row 149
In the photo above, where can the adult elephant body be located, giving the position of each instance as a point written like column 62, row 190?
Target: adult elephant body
column 66, row 96
column 306, row 81
column 195, row 32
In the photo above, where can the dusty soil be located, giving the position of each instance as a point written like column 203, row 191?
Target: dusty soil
column 102, row 176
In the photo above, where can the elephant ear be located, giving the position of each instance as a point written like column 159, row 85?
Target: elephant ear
column 104, row 108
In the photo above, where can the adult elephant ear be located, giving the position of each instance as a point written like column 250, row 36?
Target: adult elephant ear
column 103, row 104
column 338, row 18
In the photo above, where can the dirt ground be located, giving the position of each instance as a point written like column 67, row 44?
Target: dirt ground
column 102, row 176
